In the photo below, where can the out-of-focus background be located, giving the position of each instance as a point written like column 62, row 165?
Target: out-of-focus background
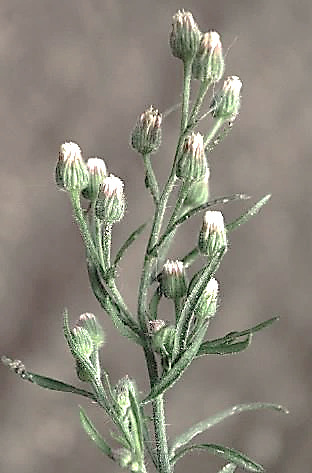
column 83, row 70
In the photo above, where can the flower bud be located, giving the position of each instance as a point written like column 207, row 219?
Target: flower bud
column 71, row 171
column 89, row 322
column 207, row 303
column 121, row 391
column 192, row 164
column 208, row 64
column 123, row 456
column 226, row 103
column 173, row 280
column 110, row 204
column 163, row 340
column 97, row 173
column 146, row 136
column 185, row 36
column 84, row 347
column 212, row 236
column 198, row 193
column 155, row 325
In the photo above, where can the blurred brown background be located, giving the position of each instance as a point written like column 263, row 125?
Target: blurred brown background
column 83, row 70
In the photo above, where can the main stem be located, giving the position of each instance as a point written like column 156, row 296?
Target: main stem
column 149, row 262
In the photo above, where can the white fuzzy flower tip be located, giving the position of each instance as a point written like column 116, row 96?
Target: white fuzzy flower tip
column 155, row 325
column 96, row 166
column 151, row 118
column 113, row 186
column 212, row 287
column 70, row 151
column 211, row 40
column 232, row 84
column 213, row 221
column 173, row 267
column 184, row 18
column 195, row 144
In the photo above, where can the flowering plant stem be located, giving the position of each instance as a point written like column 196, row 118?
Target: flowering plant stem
column 169, row 346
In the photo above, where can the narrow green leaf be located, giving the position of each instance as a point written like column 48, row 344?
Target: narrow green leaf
column 134, row 235
column 43, row 381
column 247, row 215
column 168, row 380
column 94, row 434
column 206, row 424
column 229, row 468
column 153, row 306
column 228, row 454
column 189, row 259
column 231, row 337
column 224, row 348
column 119, row 323
column 136, row 410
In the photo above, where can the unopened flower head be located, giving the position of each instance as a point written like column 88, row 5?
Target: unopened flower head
column 212, row 236
column 173, row 279
column 71, row 171
column 185, row 36
column 97, row 173
column 110, row 204
column 208, row 64
column 207, row 303
column 226, row 104
column 198, row 193
column 192, row 164
column 89, row 322
column 163, row 340
column 146, row 136
column 155, row 325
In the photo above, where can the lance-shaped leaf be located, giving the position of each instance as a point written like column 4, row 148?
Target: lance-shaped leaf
column 170, row 377
column 137, row 415
column 44, row 381
column 131, row 239
column 206, row 424
column 247, row 215
column 94, row 434
column 228, row 454
column 169, row 231
column 191, row 301
column 224, row 348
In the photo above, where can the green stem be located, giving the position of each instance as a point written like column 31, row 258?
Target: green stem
column 161, row 436
column 186, row 94
column 219, row 122
column 204, row 86
column 181, row 198
column 107, row 243
column 178, row 305
column 151, row 181
column 190, row 257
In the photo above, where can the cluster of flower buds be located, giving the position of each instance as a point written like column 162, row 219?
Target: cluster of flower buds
column 208, row 64
column 192, row 164
column 146, row 136
column 226, row 103
column 162, row 339
column 87, row 337
column 172, row 279
column 212, row 236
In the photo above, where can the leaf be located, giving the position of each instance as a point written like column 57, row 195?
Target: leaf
column 224, row 348
column 131, row 239
column 43, row 381
column 208, row 346
column 191, row 213
column 228, row 454
column 114, row 312
column 94, row 434
column 178, row 368
column 247, row 215
column 136, row 411
column 206, row 424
